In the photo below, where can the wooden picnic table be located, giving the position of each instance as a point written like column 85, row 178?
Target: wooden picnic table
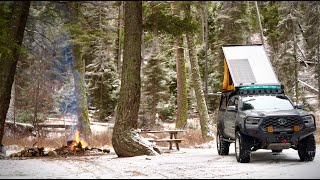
column 173, row 137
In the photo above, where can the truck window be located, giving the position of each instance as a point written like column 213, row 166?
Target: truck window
column 233, row 102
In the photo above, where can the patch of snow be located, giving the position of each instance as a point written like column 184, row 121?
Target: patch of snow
column 186, row 163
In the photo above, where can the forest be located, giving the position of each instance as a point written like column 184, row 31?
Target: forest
column 140, row 64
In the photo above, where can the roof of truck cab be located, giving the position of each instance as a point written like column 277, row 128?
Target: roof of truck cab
column 249, row 65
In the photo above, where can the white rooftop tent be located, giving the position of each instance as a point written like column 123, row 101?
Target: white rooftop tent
column 249, row 65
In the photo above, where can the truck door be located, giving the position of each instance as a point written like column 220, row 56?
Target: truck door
column 230, row 117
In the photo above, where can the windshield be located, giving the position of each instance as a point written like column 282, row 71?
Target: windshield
column 266, row 103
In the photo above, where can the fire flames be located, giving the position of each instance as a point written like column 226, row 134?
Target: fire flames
column 77, row 143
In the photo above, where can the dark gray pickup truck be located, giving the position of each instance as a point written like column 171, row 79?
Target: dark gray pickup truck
column 263, row 118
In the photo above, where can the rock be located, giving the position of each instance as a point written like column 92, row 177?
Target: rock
column 23, row 152
column 106, row 150
column 36, row 150
column 52, row 153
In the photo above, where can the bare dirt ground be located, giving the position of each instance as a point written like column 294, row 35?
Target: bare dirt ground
column 186, row 163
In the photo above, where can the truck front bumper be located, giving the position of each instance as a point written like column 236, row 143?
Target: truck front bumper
column 279, row 139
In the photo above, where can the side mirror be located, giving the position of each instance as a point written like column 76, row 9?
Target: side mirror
column 299, row 106
column 232, row 108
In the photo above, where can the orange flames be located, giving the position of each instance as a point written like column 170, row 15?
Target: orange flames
column 77, row 144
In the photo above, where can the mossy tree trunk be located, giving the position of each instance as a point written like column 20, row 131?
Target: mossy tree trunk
column 16, row 26
column 125, row 140
column 182, row 101
column 78, row 71
column 80, row 92
column 318, row 64
column 197, row 82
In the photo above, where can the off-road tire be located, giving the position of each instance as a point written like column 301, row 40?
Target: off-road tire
column 222, row 146
column 307, row 148
column 242, row 148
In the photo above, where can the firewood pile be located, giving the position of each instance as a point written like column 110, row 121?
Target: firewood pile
column 30, row 152
column 63, row 151
column 79, row 151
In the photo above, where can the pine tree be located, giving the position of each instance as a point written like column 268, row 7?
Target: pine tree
column 16, row 23
column 312, row 36
column 288, row 59
column 197, row 82
column 125, row 140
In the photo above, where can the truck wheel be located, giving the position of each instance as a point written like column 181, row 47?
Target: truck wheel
column 307, row 148
column 222, row 146
column 242, row 148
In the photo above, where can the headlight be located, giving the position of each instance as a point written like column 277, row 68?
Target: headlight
column 252, row 120
column 308, row 119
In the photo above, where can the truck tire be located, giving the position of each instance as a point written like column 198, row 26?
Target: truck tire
column 222, row 146
column 307, row 148
column 242, row 148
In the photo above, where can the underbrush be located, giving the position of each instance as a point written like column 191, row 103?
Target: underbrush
column 96, row 140
column 191, row 138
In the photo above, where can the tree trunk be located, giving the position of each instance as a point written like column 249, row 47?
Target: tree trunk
column 8, row 65
column 197, row 83
column 296, row 65
column 80, row 92
column 318, row 65
column 259, row 22
column 155, row 52
column 78, row 71
column 182, row 102
column 119, row 39
column 35, row 102
column 206, row 53
column 125, row 140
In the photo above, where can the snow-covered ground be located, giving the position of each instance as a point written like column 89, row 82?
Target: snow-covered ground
column 186, row 163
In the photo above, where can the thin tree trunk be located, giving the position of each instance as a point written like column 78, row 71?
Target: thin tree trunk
column 259, row 21
column 8, row 65
column 35, row 112
column 206, row 53
column 318, row 64
column 101, row 97
column 119, row 38
column 197, row 83
column 125, row 140
column 182, row 101
column 154, row 101
column 296, row 83
column 13, row 105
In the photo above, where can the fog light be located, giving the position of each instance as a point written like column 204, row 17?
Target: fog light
column 270, row 129
column 296, row 128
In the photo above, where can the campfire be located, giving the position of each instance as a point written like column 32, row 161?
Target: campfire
column 76, row 146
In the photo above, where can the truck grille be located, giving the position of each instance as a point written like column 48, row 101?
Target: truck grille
column 280, row 122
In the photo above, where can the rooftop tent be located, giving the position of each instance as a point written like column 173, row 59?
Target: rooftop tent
column 247, row 65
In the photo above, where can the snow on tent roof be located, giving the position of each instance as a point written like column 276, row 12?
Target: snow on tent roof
column 249, row 65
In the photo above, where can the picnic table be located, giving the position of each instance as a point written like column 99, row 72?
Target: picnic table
column 173, row 137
